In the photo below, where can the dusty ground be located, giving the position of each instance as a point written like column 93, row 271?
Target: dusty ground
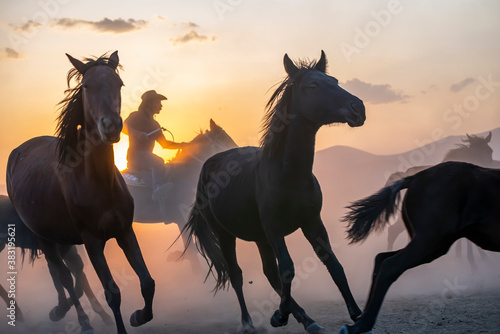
column 476, row 313
column 445, row 296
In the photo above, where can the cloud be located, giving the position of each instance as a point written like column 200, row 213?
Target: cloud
column 376, row 94
column 186, row 25
column 26, row 27
column 191, row 36
column 461, row 85
column 115, row 26
column 9, row 53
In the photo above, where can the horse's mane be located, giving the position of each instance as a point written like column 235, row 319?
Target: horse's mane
column 465, row 149
column 276, row 119
column 71, row 119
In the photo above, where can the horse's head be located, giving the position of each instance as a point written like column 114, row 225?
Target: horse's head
column 101, row 97
column 319, row 98
column 480, row 152
column 206, row 144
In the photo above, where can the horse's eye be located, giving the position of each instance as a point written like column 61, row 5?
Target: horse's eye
column 312, row 85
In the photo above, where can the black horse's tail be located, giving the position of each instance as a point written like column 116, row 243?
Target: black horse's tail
column 207, row 242
column 373, row 212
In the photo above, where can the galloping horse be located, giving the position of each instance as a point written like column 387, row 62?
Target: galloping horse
column 444, row 203
column 67, row 189
column 263, row 194
column 475, row 150
column 27, row 241
column 184, row 170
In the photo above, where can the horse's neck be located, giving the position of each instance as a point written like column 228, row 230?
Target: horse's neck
column 99, row 164
column 298, row 154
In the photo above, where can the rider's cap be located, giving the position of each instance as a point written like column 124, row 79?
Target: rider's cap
column 152, row 95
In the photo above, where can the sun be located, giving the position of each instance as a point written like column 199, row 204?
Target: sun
column 120, row 150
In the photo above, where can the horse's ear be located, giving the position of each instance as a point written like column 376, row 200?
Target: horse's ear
column 213, row 125
column 80, row 67
column 113, row 60
column 290, row 67
column 488, row 138
column 321, row 64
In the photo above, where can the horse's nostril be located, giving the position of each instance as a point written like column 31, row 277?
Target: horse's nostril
column 106, row 123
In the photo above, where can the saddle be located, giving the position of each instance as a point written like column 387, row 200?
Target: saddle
column 138, row 178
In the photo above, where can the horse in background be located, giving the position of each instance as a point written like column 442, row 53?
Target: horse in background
column 67, row 189
column 263, row 194
column 442, row 204
column 183, row 172
column 475, row 150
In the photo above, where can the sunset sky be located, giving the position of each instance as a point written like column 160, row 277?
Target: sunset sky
column 425, row 69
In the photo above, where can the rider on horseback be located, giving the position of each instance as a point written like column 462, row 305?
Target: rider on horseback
column 143, row 131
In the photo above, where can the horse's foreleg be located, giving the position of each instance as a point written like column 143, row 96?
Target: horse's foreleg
column 74, row 262
column 128, row 243
column 271, row 271
column 318, row 238
column 95, row 250
column 63, row 305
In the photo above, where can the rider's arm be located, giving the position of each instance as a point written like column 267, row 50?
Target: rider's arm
column 169, row 144
column 131, row 131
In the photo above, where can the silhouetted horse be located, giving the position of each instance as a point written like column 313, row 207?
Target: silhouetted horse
column 67, row 189
column 263, row 194
column 27, row 241
column 184, row 170
column 444, row 203
column 476, row 150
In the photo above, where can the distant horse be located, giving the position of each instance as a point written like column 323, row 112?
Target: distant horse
column 67, row 189
column 263, row 194
column 184, row 170
column 26, row 240
column 442, row 204
column 476, row 150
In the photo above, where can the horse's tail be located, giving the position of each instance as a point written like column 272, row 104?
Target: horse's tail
column 16, row 233
column 207, row 242
column 373, row 212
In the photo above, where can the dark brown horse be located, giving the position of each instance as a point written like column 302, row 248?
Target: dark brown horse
column 183, row 172
column 442, row 204
column 263, row 194
column 67, row 189
column 27, row 241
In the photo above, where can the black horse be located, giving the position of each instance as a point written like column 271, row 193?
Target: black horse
column 28, row 242
column 444, row 203
column 67, row 189
column 263, row 194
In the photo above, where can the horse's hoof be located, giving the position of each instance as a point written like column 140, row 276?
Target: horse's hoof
column 277, row 321
column 138, row 319
column 249, row 329
column 57, row 313
column 314, row 328
column 87, row 331
column 345, row 330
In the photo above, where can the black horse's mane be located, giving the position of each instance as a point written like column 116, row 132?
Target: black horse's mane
column 71, row 118
column 276, row 119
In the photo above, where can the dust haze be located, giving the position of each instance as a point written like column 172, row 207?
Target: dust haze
column 185, row 304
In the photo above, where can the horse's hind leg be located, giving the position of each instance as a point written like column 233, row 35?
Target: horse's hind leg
column 318, row 238
column 74, row 262
column 5, row 296
column 128, row 243
column 417, row 252
column 271, row 271
column 63, row 304
column 228, row 248
column 54, row 259
column 95, row 250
